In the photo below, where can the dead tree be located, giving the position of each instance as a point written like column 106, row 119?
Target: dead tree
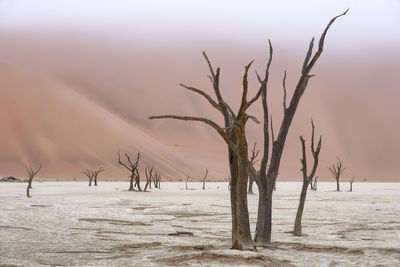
column 252, row 161
column 133, row 169
column 351, row 183
column 187, row 180
column 337, row 170
column 204, row 180
column 267, row 174
column 307, row 178
column 31, row 174
column 157, row 180
column 89, row 175
column 149, row 177
column 95, row 173
column 233, row 133
column 313, row 184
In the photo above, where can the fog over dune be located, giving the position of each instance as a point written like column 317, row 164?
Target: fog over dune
column 77, row 89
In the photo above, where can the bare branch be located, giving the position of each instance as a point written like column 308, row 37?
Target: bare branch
column 284, row 92
column 206, row 121
column 205, row 95
column 244, row 103
column 321, row 42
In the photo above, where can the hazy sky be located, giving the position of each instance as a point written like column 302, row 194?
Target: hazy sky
column 129, row 56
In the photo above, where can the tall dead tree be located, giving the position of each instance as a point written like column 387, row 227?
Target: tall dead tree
column 31, row 174
column 266, row 176
column 252, row 161
column 204, row 180
column 233, row 133
column 133, row 169
column 351, row 183
column 89, row 175
column 337, row 170
column 95, row 173
column 307, row 178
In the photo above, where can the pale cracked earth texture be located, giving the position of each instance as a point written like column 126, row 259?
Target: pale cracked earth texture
column 71, row 224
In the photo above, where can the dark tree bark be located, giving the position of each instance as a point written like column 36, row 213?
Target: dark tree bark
column 89, row 175
column 337, row 170
column 31, row 174
column 266, row 177
column 307, row 178
column 351, row 184
column 149, row 177
column 95, row 173
column 204, row 180
column 133, row 170
column 233, row 133
column 313, row 184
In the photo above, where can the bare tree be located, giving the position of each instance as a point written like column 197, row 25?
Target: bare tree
column 158, row 180
column 266, row 176
column 89, row 175
column 95, row 173
column 233, row 133
column 307, row 178
column 204, row 180
column 149, row 175
column 351, row 183
column 252, row 161
column 337, row 170
column 187, row 180
column 133, row 169
column 31, row 174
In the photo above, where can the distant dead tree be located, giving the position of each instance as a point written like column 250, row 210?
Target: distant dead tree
column 187, row 180
column 31, row 174
column 151, row 176
column 157, row 180
column 313, row 184
column 337, row 170
column 234, row 134
column 204, row 180
column 133, row 169
column 307, row 178
column 252, row 161
column 351, row 183
column 89, row 175
column 95, row 173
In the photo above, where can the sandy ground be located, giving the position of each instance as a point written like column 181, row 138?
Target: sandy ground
column 71, row 224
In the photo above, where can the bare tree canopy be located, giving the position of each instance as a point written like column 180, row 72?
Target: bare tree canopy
column 133, row 170
column 337, row 170
column 31, row 174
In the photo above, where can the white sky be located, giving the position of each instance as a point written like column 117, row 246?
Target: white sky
column 371, row 22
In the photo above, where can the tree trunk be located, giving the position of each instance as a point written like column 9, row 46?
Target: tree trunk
column 351, row 186
column 251, row 181
column 299, row 214
column 95, row 181
column 244, row 241
column 131, row 184
column 27, row 191
column 337, row 185
column 262, row 236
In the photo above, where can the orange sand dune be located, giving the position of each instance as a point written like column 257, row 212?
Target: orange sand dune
column 43, row 121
